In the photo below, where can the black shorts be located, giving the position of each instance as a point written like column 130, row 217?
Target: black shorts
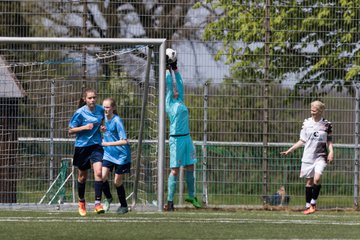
column 119, row 169
column 85, row 156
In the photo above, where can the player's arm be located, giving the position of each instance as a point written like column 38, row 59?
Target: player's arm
column 117, row 143
column 75, row 124
column 102, row 126
column 169, row 88
column 82, row 128
column 121, row 133
column 330, row 156
column 298, row 144
column 179, row 85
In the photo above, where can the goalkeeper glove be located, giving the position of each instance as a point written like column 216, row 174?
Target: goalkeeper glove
column 174, row 65
column 168, row 64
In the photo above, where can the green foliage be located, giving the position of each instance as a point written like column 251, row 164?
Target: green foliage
column 353, row 72
column 317, row 39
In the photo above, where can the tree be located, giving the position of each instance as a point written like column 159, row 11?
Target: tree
column 317, row 41
column 113, row 19
column 265, row 41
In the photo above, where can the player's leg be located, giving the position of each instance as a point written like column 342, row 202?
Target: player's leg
column 319, row 168
column 172, row 181
column 189, row 162
column 82, row 176
column 98, row 183
column 190, row 182
column 106, row 166
column 307, row 171
column 309, row 195
column 82, row 162
column 120, row 170
column 96, row 157
column 81, row 183
column 316, row 187
column 175, row 155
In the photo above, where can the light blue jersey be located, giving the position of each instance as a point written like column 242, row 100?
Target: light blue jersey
column 177, row 112
column 84, row 116
column 115, row 131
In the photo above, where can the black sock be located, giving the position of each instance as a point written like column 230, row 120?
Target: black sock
column 81, row 190
column 121, row 194
column 316, row 191
column 308, row 194
column 106, row 190
column 98, row 190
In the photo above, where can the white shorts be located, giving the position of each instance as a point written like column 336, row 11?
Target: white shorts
column 308, row 170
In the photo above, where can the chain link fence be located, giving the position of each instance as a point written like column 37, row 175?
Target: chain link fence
column 247, row 96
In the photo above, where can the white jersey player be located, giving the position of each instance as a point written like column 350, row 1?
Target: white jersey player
column 318, row 151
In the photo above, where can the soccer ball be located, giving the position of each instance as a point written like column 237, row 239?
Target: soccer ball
column 170, row 55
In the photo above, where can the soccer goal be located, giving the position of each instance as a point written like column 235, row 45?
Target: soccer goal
column 41, row 83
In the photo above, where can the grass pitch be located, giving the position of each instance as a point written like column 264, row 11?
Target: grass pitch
column 183, row 224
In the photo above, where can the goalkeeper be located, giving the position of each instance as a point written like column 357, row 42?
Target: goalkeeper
column 182, row 150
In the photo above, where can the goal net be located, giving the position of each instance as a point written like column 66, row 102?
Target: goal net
column 40, row 87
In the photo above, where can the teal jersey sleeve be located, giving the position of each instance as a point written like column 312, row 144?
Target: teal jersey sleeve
column 169, row 90
column 179, row 85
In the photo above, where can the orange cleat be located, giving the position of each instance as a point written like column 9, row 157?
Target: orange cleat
column 310, row 210
column 82, row 209
column 99, row 208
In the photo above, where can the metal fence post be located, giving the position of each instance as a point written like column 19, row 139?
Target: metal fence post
column 356, row 146
column 52, row 126
column 204, row 146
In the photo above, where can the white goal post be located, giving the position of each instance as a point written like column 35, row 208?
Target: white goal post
column 161, row 44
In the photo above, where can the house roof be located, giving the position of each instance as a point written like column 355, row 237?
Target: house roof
column 10, row 87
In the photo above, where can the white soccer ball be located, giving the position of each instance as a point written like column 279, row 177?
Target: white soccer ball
column 171, row 55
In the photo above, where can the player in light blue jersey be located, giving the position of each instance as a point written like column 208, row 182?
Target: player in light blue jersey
column 86, row 123
column 182, row 150
column 316, row 135
column 117, row 155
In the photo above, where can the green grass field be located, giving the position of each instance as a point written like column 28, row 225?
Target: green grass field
column 182, row 224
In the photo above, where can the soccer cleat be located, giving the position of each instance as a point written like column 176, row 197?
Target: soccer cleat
column 122, row 210
column 106, row 204
column 193, row 201
column 310, row 210
column 99, row 208
column 82, row 208
column 169, row 207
